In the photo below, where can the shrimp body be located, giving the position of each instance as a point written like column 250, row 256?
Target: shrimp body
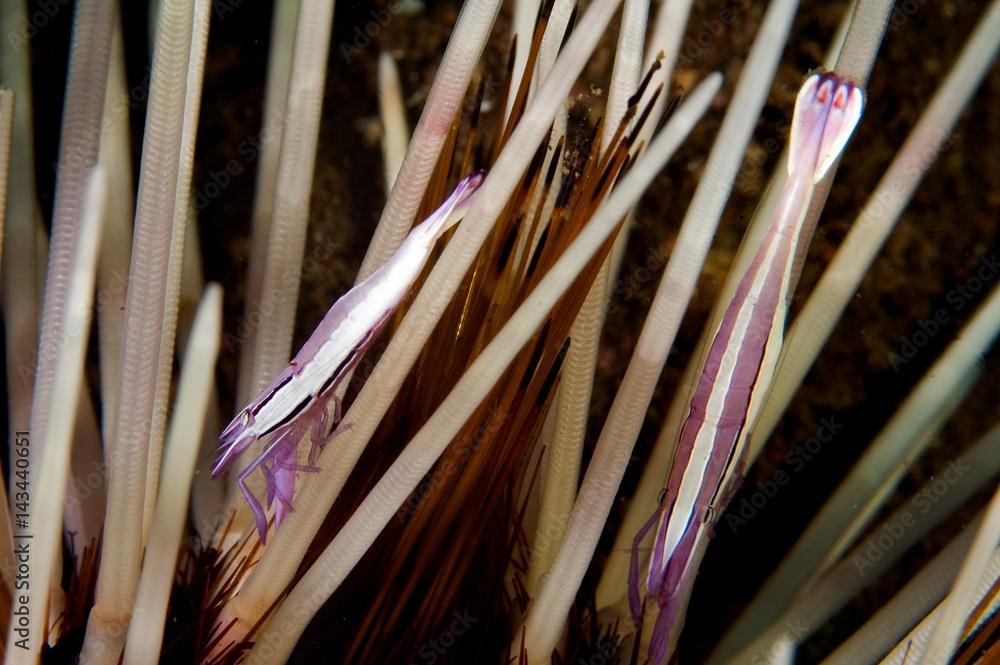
column 707, row 460
column 302, row 398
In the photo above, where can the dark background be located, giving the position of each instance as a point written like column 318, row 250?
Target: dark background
column 942, row 238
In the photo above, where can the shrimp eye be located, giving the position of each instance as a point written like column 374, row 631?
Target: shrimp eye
column 246, row 419
column 823, row 94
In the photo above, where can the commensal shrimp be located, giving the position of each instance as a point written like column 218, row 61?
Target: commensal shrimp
column 302, row 399
column 703, row 475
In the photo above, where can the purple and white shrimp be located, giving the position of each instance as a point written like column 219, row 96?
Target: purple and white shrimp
column 708, row 457
column 302, row 399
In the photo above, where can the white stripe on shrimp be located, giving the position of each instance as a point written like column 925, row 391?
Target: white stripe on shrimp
column 302, row 397
column 703, row 473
